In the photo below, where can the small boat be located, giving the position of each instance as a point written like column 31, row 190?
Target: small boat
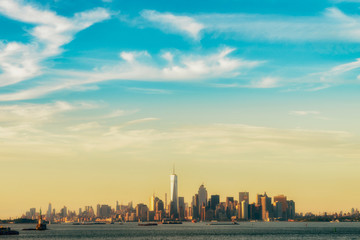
column 171, row 222
column 222, row 223
column 88, row 223
column 8, row 231
column 147, row 224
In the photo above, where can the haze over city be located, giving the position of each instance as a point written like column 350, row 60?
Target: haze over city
column 99, row 99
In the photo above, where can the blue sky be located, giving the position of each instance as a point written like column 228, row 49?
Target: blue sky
column 286, row 47
column 184, row 81
column 282, row 49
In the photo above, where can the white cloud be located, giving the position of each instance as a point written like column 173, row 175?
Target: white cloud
column 84, row 126
column 149, row 90
column 119, row 113
column 30, row 113
column 168, row 56
column 332, row 75
column 340, row 1
column 267, row 82
column 303, row 113
column 344, row 67
column 142, row 120
column 332, row 25
column 19, row 62
column 211, row 66
column 224, row 140
column 137, row 67
column 131, row 57
column 114, row 130
column 33, row 112
column 29, row 123
column 174, row 23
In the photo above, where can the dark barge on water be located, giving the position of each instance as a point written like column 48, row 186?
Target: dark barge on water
column 8, row 231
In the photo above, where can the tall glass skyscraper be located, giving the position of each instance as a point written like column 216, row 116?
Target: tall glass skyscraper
column 174, row 190
column 202, row 195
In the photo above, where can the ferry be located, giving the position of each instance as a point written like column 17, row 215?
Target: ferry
column 147, row 224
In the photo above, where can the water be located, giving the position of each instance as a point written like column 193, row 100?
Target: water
column 248, row 230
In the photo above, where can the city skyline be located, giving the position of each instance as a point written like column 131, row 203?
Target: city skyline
column 98, row 99
column 203, row 198
column 202, row 208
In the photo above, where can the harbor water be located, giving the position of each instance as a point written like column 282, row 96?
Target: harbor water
column 246, row 230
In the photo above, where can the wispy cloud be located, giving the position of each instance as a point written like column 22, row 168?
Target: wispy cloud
column 303, row 113
column 340, row 69
column 84, row 126
column 174, row 23
column 351, row 1
column 25, row 122
column 119, row 113
column 149, row 90
column 18, row 61
column 206, row 141
column 33, row 112
column 114, row 130
column 339, row 74
column 136, row 66
column 332, row 25
column 267, row 82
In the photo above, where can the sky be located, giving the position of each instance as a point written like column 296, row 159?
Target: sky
column 99, row 98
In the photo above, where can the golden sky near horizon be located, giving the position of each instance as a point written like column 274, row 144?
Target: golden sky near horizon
column 46, row 158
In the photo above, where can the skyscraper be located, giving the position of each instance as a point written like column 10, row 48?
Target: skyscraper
column 181, row 209
column 32, row 212
column 244, row 210
column 266, row 208
column 214, row 201
column 174, row 190
column 48, row 214
column 202, row 195
column 244, row 196
column 258, row 199
column 283, row 200
column 98, row 210
column 291, row 209
column 152, row 203
column 117, row 206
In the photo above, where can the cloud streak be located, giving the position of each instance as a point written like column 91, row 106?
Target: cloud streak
column 206, row 141
column 136, row 66
column 303, row 113
column 37, row 113
column 19, row 61
column 332, row 25
column 174, row 23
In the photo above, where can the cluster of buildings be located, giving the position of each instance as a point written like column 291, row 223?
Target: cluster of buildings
column 207, row 208
column 201, row 208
